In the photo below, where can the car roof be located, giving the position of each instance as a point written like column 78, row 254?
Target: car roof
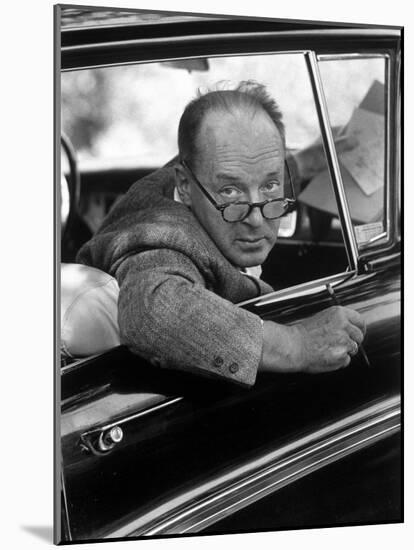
column 93, row 37
column 82, row 17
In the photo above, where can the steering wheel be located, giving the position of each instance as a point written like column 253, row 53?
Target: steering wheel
column 75, row 232
column 73, row 182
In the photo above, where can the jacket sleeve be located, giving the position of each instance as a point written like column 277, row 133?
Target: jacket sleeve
column 168, row 316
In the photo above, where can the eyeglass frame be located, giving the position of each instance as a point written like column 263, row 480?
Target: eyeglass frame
column 291, row 203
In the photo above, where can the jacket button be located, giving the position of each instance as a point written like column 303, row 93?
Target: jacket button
column 218, row 361
column 234, row 367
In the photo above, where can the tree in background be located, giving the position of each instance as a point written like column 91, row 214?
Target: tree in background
column 84, row 95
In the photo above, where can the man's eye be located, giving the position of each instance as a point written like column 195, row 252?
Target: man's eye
column 271, row 186
column 230, row 192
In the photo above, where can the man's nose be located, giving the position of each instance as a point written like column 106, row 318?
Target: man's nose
column 255, row 218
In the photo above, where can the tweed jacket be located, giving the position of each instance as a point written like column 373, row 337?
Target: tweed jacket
column 177, row 290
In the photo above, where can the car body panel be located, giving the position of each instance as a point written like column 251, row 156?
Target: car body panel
column 160, row 420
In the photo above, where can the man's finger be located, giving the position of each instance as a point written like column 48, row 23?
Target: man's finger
column 355, row 333
column 356, row 319
column 339, row 363
column 353, row 348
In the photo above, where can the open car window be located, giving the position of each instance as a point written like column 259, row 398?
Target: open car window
column 112, row 114
column 114, row 119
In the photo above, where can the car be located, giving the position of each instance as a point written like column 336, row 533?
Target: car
column 152, row 452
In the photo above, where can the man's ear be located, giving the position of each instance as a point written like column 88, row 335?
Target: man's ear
column 182, row 182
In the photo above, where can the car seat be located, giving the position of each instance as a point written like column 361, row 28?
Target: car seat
column 89, row 311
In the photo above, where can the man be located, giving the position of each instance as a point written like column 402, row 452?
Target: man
column 182, row 263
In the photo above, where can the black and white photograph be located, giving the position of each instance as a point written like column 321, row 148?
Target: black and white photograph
column 228, row 226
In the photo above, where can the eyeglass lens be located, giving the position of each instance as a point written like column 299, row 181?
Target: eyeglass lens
column 270, row 210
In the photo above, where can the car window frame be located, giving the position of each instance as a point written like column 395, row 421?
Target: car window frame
column 385, row 239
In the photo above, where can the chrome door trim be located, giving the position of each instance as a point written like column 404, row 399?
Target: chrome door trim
column 225, row 494
column 88, row 439
column 302, row 289
column 347, row 228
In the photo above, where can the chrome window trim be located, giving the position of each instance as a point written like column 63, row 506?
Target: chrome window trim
column 348, row 234
column 350, row 56
column 398, row 169
column 179, row 58
column 239, row 487
column 367, row 245
column 302, row 289
column 387, row 145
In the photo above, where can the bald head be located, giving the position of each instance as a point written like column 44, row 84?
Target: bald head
column 246, row 101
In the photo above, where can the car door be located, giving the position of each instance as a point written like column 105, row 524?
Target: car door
column 199, row 457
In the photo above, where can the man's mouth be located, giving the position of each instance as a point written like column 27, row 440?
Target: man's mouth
column 251, row 243
column 251, row 240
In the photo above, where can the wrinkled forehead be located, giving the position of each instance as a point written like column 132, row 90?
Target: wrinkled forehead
column 250, row 135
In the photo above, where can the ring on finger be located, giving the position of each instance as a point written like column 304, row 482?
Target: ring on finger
column 354, row 349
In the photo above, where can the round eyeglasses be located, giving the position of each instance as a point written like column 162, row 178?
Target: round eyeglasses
column 232, row 212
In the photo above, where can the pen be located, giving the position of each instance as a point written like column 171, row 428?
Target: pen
column 336, row 302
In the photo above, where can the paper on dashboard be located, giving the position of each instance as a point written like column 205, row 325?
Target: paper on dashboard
column 366, row 161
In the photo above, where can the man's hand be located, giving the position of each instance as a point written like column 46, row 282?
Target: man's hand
column 322, row 343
